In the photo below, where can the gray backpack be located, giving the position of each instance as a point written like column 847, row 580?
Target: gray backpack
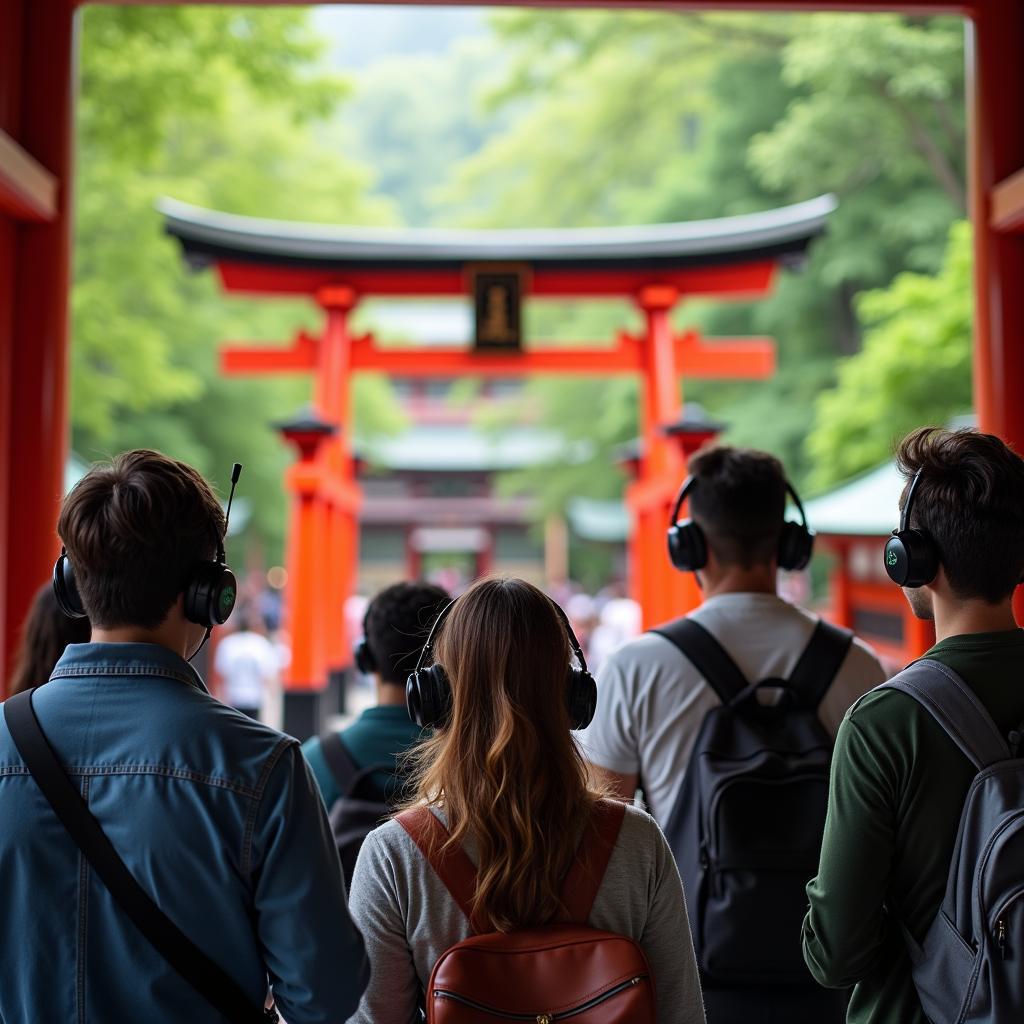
column 971, row 968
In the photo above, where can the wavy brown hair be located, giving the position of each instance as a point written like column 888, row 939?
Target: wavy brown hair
column 505, row 767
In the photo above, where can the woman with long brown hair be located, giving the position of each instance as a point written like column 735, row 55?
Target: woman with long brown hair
column 504, row 776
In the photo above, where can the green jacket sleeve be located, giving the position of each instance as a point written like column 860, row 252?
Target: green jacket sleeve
column 846, row 928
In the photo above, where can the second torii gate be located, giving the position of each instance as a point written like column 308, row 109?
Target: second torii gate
column 654, row 266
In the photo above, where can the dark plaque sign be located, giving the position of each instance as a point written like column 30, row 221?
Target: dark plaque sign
column 497, row 302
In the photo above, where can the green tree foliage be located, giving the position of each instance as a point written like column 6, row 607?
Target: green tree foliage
column 651, row 117
column 222, row 107
column 915, row 367
column 412, row 118
column 878, row 119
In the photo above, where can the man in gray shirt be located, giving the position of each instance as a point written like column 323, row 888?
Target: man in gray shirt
column 652, row 700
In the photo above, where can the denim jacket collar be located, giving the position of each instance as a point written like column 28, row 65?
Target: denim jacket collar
column 130, row 659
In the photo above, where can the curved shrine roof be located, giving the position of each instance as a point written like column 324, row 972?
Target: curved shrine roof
column 209, row 236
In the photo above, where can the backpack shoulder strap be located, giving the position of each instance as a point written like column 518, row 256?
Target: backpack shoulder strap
column 954, row 705
column 206, row 977
column 587, row 871
column 343, row 769
column 820, row 663
column 707, row 656
column 451, row 865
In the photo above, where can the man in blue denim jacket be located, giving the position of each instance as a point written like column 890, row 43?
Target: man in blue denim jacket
column 216, row 816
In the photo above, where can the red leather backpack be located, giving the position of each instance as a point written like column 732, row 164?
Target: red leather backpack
column 565, row 971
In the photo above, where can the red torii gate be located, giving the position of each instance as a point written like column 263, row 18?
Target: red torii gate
column 655, row 266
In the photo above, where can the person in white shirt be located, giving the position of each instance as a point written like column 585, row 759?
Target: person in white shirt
column 652, row 701
column 249, row 665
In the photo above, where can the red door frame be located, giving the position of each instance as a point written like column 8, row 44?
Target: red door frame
column 37, row 50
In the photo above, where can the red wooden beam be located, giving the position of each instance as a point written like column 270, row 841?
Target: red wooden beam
column 454, row 362
column 739, row 358
column 28, row 191
column 738, row 280
column 744, row 358
column 301, row 357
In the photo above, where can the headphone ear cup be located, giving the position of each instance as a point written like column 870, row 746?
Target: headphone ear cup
column 365, row 661
column 796, row 543
column 582, row 698
column 65, row 588
column 428, row 696
column 210, row 595
column 687, row 546
column 911, row 558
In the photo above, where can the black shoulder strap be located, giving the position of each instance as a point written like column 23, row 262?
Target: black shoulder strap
column 216, row 987
column 820, row 663
column 339, row 761
column 707, row 656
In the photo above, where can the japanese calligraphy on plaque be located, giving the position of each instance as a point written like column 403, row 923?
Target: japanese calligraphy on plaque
column 497, row 301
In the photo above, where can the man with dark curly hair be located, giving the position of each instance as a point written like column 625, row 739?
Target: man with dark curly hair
column 395, row 627
column 899, row 782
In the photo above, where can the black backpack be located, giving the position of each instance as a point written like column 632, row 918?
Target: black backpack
column 746, row 829
column 362, row 805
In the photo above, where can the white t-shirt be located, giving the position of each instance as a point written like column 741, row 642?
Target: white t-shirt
column 651, row 701
column 248, row 664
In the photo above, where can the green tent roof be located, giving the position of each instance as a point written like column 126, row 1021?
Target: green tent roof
column 593, row 519
column 867, row 506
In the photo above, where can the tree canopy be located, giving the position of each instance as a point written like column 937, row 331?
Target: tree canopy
column 226, row 108
column 651, row 117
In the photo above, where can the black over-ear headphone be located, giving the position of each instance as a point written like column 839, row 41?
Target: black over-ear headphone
column 209, row 593
column 364, row 657
column 688, row 547
column 911, row 557
column 65, row 589
column 428, row 692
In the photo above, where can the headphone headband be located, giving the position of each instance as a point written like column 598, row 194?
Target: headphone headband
column 905, row 516
column 790, row 490
column 429, row 645
column 574, row 643
column 428, row 690
column 799, row 505
column 681, row 497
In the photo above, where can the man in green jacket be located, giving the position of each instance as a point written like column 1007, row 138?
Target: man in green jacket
column 898, row 781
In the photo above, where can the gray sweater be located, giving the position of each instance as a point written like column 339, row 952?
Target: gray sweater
column 408, row 920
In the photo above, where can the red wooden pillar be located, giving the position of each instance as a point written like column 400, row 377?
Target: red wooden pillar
column 340, row 504
column 662, row 591
column 839, row 585
column 304, row 559
column 995, row 44
column 36, row 104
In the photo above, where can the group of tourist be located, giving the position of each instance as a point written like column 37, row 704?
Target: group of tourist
column 817, row 844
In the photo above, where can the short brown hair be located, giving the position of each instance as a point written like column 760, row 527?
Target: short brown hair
column 970, row 501
column 739, row 500
column 135, row 528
